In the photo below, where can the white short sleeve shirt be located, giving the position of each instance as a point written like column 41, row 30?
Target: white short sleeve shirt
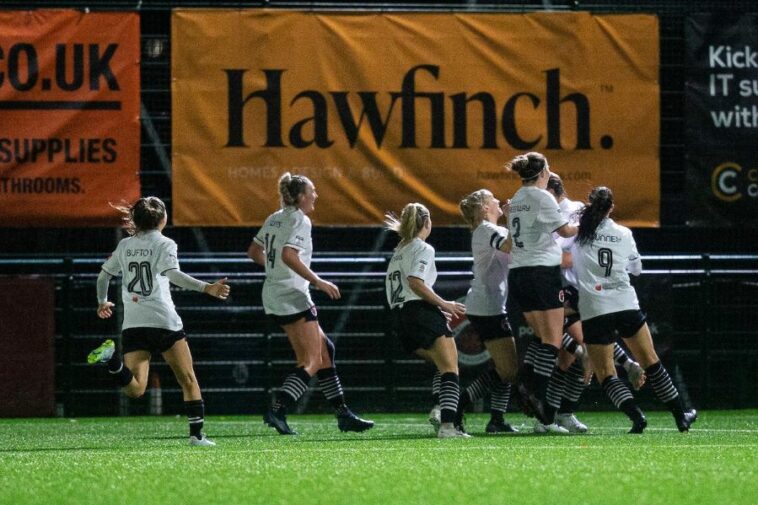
column 601, row 268
column 142, row 260
column 285, row 292
column 534, row 216
column 414, row 259
column 489, row 288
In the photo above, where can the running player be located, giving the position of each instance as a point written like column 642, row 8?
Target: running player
column 534, row 281
column 419, row 315
column 147, row 260
column 604, row 255
column 485, row 307
column 284, row 247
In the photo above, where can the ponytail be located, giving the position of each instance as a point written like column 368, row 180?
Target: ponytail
column 412, row 219
column 290, row 188
column 143, row 215
column 590, row 217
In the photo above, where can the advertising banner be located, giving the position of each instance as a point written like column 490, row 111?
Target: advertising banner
column 382, row 109
column 721, row 117
column 69, row 116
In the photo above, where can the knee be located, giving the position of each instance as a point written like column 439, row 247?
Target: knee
column 135, row 392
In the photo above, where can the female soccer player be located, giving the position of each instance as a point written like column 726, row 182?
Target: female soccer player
column 147, row 261
column 534, row 281
column 485, row 306
column 283, row 246
column 419, row 315
column 604, row 255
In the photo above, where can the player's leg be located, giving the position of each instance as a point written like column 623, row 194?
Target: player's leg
column 331, row 387
column 601, row 356
column 573, row 379
column 179, row 358
column 445, row 356
column 548, row 325
column 505, row 357
column 641, row 345
column 122, row 374
column 303, row 335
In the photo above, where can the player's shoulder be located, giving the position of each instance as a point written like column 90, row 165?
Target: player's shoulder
column 420, row 246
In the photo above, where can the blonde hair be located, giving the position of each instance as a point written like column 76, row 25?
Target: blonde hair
column 412, row 219
column 472, row 207
column 290, row 188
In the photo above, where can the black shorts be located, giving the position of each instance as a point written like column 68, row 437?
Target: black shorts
column 491, row 327
column 536, row 288
column 606, row 329
column 309, row 315
column 418, row 324
column 571, row 298
column 152, row 340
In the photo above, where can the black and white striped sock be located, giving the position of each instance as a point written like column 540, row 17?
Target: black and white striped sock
column 483, row 384
column 330, row 385
column 295, row 385
column 574, row 381
column 436, row 388
column 449, row 396
column 499, row 399
column 195, row 410
column 544, row 364
column 621, row 397
column 569, row 344
column 555, row 388
column 532, row 349
column 620, row 357
column 658, row 377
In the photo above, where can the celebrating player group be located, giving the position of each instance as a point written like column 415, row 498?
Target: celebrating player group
column 562, row 265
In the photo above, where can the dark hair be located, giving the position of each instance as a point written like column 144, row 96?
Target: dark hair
column 555, row 184
column 291, row 187
column 590, row 217
column 528, row 166
column 144, row 215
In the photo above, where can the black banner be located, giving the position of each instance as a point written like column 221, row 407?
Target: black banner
column 721, row 119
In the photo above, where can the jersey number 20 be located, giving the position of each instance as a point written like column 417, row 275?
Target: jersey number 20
column 142, row 275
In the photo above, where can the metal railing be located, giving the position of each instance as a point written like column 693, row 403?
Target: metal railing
column 703, row 311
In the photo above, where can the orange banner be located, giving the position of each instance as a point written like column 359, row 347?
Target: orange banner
column 382, row 109
column 70, row 104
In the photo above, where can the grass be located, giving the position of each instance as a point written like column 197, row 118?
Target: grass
column 146, row 460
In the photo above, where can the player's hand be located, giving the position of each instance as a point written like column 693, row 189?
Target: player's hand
column 105, row 310
column 219, row 289
column 331, row 290
column 506, row 208
column 454, row 308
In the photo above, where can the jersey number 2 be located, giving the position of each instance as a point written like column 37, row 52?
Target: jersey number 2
column 516, row 224
column 396, row 286
column 143, row 276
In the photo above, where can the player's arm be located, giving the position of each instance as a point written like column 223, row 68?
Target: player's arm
column 218, row 289
column 427, row 294
column 291, row 258
column 257, row 253
column 567, row 230
column 104, row 307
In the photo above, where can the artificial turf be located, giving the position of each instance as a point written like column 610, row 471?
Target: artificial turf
column 146, row 460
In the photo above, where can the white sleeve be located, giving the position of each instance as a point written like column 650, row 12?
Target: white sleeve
column 550, row 214
column 167, row 259
column 421, row 261
column 498, row 235
column 185, row 281
column 634, row 266
column 112, row 265
column 103, row 279
column 301, row 230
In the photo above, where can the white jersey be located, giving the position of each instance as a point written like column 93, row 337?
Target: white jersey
column 285, row 292
column 570, row 211
column 534, row 216
column 143, row 260
column 602, row 269
column 414, row 259
column 489, row 288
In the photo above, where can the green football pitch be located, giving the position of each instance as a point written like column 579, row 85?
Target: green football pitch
column 147, row 460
